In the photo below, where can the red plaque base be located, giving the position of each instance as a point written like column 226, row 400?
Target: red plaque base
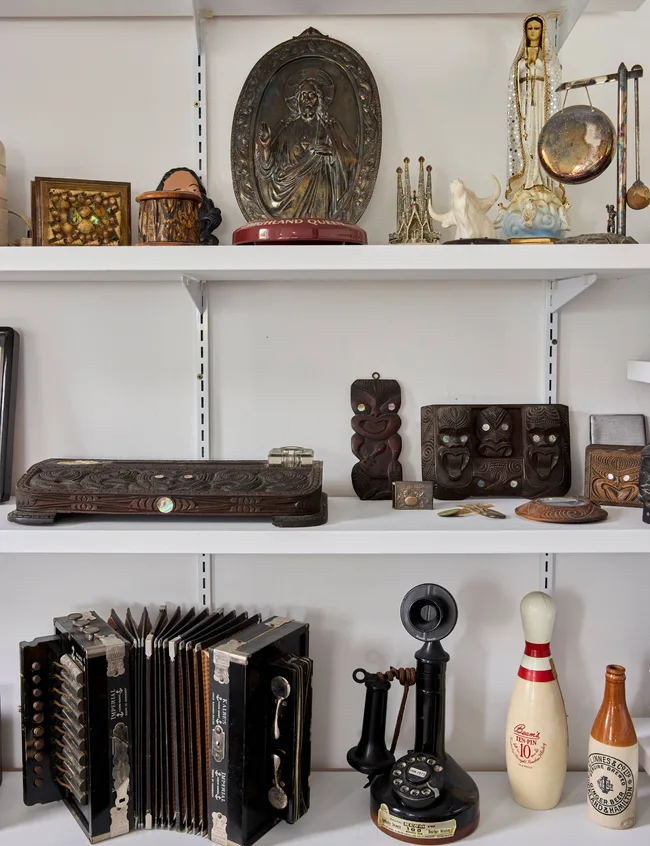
column 299, row 231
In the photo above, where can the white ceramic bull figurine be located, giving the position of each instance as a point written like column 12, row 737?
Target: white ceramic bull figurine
column 468, row 212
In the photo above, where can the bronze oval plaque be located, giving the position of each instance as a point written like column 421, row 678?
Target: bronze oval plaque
column 306, row 134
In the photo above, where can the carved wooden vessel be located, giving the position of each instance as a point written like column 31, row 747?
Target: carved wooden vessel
column 558, row 509
column 612, row 474
column 376, row 442
column 287, row 488
column 500, row 450
column 169, row 218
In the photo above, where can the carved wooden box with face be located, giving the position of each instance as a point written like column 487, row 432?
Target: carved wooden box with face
column 612, row 474
column 496, row 450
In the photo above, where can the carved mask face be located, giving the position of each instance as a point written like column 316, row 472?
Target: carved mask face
column 376, row 403
column 454, row 429
column 615, row 477
column 543, row 439
column 494, row 432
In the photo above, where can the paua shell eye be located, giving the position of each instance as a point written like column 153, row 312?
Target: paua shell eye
column 626, row 478
column 552, row 439
column 610, row 476
column 486, row 427
column 361, row 407
column 391, row 406
column 504, row 427
column 536, row 439
column 445, row 439
column 463, row 439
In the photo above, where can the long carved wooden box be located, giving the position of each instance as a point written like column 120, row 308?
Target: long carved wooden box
column 496, row 450
column 290, row 492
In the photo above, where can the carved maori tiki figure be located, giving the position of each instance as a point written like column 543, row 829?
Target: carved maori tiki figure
column 376, row 442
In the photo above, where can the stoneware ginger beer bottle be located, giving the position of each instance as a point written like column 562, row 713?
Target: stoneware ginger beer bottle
column 536, row 731
column 613, row 763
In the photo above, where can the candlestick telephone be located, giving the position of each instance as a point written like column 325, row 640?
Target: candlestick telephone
column 424, row 796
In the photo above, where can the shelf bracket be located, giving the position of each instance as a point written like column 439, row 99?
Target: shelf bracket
column 562, row 291
column 567, row 19
column 196, row 289
column 199, row 295
column 546, row 580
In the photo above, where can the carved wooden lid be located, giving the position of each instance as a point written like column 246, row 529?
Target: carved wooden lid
column 168, row 195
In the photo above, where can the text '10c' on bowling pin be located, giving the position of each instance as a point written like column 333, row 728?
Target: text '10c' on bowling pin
column 536, row 730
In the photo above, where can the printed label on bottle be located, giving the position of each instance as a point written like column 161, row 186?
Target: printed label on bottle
column 526, row 745
column 610, row 785
column 417, row 830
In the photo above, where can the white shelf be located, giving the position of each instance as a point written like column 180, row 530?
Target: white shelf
column 183, row 8
column 339, row 816
column 280, row 263
column 354, row 528
column 642, row 726
column 638, row 371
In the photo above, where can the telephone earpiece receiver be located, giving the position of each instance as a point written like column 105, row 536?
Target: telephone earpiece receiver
column 424, row 795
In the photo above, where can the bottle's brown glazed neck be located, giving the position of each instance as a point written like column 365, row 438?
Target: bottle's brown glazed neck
column 613, row 725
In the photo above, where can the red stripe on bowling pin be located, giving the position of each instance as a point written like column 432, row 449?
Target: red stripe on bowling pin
column 536, row 664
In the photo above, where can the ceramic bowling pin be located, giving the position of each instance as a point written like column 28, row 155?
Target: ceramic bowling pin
column 613, row 763
column 536, row 731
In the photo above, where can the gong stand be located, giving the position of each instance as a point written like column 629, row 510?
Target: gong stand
column 622, row 76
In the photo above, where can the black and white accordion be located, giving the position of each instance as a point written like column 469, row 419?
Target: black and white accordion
column 197, row 722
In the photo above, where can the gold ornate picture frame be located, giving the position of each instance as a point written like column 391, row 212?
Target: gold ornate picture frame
column 81, row 213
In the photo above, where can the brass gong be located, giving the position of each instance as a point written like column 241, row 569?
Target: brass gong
column 577, row 144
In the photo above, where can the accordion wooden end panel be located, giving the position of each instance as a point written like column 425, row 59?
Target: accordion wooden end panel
column 286, row 488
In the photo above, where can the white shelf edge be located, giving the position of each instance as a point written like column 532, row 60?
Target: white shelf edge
column 295, row 263
column 339, row 816
column 354, row 528
column 302, row 8
column 638, row 371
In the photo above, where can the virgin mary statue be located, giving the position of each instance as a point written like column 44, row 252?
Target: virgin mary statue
column 532, row 98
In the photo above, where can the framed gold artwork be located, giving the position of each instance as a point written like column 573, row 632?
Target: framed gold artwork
column 81, row 213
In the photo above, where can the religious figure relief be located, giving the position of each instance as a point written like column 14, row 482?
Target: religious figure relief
column 509, row 450
column 546, row 450
column 306, row 135
column 306, row 164
column 494, row 432
column 376, row 442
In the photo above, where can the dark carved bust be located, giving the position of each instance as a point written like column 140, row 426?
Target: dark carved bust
column 509, row 450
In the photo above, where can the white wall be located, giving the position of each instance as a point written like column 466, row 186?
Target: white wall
column 108, row 369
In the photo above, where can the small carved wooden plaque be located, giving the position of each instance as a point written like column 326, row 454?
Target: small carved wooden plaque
column 557, row 509
column 292, row 496
column 376, row 442
column 612, row 474
column 496, row 450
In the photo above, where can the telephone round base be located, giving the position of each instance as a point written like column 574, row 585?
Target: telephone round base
column 455, row 811
column 459, row 834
